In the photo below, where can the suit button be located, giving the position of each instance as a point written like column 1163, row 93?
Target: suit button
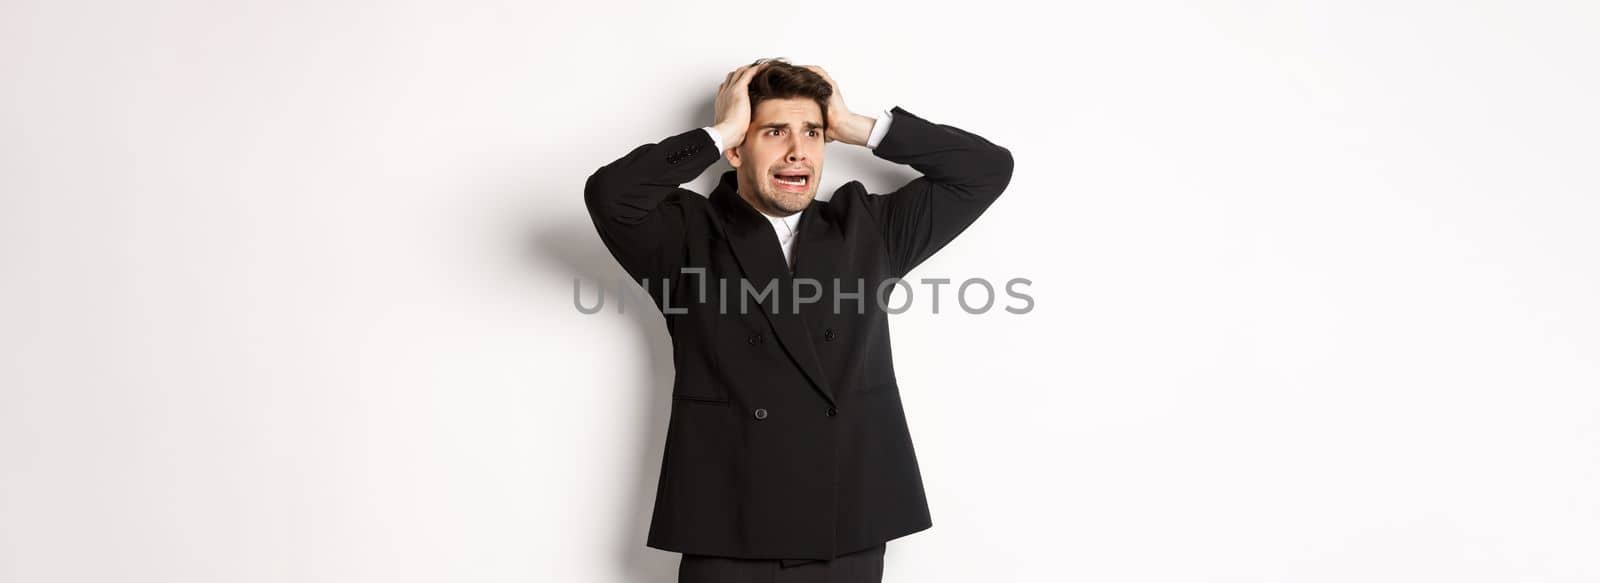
column 828, row 335
column 832, row 411
column 761, row 413
column 756, row 338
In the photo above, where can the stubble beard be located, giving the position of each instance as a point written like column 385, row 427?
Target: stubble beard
column 786, row 203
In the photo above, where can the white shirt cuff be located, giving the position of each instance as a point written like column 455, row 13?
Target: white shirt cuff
column 715, row 137
column 879, row 128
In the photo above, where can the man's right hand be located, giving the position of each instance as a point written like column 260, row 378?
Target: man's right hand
column 733, row 106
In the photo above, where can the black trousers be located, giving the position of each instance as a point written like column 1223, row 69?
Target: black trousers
column 859, row 567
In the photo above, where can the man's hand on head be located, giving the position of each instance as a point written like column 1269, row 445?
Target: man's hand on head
column 844, row 126
column 733, row 106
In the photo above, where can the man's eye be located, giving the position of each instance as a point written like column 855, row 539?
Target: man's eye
column 814, row 133
column 774, row 131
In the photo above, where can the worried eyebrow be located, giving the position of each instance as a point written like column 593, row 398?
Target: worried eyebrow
column 810, row 125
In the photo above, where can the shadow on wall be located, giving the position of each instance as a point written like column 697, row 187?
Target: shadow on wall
column 576, row 248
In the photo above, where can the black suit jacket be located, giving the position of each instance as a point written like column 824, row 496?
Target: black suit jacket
column 786, row 438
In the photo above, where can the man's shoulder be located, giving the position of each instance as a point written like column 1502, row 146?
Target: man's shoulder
column 687, row 199
column 695, row 208
column 845, row 198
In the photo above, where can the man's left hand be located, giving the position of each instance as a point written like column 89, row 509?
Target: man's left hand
column 843, row 125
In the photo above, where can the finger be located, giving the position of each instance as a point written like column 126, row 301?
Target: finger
column 825, row 77
column 742, row 76
column 750, row 72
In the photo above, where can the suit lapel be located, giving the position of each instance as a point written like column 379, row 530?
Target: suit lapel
column 755, row 247
column 819, row 256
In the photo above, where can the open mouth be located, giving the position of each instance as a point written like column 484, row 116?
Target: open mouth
column 792, row 181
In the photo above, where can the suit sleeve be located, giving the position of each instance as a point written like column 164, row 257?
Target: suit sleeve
column 638, row 208
column 962, row 174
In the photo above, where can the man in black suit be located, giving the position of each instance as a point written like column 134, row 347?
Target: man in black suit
column 788, row 456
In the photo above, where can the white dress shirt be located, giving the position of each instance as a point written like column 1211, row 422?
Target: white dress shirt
column 786, row 227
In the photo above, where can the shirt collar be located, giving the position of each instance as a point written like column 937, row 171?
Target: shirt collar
column 785, row 226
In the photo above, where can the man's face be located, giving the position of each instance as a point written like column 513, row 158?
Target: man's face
column 780, row 161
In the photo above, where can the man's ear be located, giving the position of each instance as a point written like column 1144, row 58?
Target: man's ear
column 734, row 159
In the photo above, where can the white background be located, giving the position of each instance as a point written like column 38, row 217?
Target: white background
column 288, row 287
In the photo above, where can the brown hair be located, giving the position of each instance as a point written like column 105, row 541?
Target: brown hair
column 781, row 80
